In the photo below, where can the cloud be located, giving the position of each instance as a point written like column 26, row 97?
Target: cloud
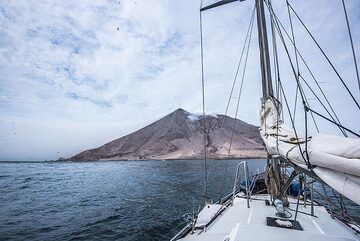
column 128, row 63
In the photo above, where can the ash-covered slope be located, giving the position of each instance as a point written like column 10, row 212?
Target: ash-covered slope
column 179, row 135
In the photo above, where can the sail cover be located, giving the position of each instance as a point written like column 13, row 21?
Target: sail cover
column 336, row 160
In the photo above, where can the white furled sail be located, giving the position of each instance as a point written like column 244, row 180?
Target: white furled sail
column 336, row 160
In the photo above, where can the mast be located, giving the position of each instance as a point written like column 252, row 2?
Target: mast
column 267, row 86
column 264, row 50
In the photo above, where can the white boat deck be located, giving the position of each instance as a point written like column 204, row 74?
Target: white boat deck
column 241, row 223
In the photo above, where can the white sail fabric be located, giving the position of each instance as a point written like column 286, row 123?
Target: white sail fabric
column 336, row 153
column 337, row 159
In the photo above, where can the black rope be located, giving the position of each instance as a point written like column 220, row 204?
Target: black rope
column 324, row 117
column 327, row 58
column 352, row 44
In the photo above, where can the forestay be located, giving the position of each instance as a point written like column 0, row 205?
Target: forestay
column 335, row 160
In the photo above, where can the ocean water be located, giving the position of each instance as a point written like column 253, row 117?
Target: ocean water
column 118, row 200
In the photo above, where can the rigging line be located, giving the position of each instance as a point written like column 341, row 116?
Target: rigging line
column 277, row 75
column 296, row 75
column 338, row 200
column 335, row 118
column 281, row 102
column 277, row 78
column 307, row 104
column 283, row 41
column 295, row 103
column 203, row 106
column 312, row 116
column 326, row 198
column 306, row 131
column 291, row 63
column 302, row 78
column 296, row 57
column 312, row 75
column 303, row 97
column 288, row 54
column 275, row 58
column 249, row 34
column 292, row 123
column 231, row 92
column 240, row 91
column 324, row 117
column 343, row 204
column 327, row 58
column 292, row 66
column 323, row 94
column 352, row 44
column 282, row 89
column 293, row 37
column 237, row 70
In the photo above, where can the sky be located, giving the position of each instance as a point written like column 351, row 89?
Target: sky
column 77, row 74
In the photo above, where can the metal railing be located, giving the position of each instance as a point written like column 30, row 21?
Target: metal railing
column 237, row 176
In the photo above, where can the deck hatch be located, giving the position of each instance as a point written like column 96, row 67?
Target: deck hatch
column 270, row 221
